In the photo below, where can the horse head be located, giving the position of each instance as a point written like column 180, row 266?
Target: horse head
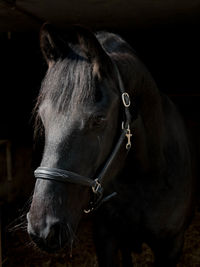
column 78, row 106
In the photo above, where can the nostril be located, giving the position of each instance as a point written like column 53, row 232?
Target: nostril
column 38, row 241
column 53, row 238
column 35, row 238
column 54, row 230
column 50, row 237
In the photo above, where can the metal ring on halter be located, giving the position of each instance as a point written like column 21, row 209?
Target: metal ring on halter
column 97, row 188
column 126, row 99
column 123, row 125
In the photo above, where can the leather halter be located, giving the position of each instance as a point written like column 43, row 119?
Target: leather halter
column 65, row 176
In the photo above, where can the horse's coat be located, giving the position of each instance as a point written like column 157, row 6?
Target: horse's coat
column 80, row 109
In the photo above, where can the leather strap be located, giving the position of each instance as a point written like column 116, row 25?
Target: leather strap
column 62, row 176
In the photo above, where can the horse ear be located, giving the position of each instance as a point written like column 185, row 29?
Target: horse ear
column 56, row 44
column 52, row 43
column 92, row 49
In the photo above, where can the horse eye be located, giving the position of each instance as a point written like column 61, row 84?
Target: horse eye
column 98, row 121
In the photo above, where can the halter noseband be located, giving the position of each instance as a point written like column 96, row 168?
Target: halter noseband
column 65, row 176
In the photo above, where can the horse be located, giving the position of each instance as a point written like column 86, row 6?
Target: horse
column 114, row 146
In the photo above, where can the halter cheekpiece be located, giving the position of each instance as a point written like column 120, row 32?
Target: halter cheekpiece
column 60, row 175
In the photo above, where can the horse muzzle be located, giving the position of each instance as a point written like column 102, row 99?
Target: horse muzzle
column 50, row 236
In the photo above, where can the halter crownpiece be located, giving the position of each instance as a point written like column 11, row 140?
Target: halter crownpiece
column 64, row 176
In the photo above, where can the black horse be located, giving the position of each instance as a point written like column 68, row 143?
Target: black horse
column 108, row 128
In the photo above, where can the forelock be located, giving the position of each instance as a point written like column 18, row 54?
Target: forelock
column 68, row 82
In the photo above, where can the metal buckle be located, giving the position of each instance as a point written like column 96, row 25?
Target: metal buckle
column 126, row 99
column 128, row 135
column 88, row 210
column 96, row 188
column 96, row 205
